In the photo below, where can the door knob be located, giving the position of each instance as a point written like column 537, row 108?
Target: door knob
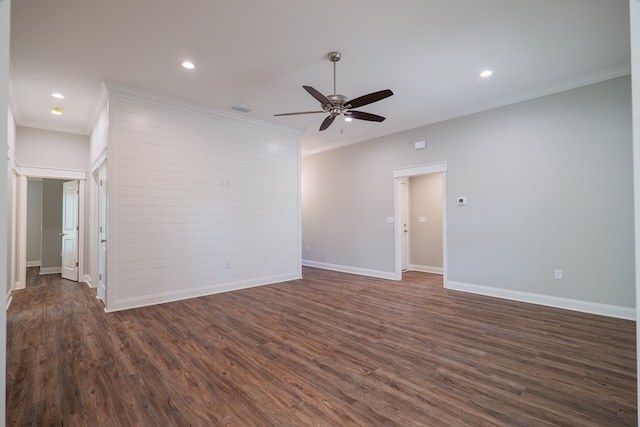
column 62, row 234
column 103, row 241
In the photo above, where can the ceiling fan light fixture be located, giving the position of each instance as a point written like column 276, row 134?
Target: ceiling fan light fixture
column 336, row 104
column 57, row 111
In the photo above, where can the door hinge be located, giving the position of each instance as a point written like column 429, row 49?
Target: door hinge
column 99, row 276
column 77, row 228
column 77, row 264
column 100, row 183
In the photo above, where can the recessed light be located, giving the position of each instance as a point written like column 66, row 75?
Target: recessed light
column 57, row 95
column 348, row 119
column 57, row 111
column 188, row 65
column 486, row 73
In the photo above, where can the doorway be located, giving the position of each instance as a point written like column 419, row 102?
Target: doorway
column 417, row 221
column 75, row 257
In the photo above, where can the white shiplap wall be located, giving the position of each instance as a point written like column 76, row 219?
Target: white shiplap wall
column 199, row 201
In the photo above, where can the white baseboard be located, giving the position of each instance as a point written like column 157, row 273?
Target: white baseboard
column 425, row 269
column 9, row 299
column 352, row 270
column 50, row 270
column 160, row 298
column 547, row 300
column 33, row 263
column 87, row 279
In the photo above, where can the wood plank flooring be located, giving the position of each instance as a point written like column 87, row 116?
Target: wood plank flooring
column 34, row 278
column 331, row 349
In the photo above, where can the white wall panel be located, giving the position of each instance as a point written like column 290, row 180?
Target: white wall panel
column 199, row 201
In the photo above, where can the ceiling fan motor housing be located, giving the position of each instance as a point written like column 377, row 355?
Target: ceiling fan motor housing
column 337, row 104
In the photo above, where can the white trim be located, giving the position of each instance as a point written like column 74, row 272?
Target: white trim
column 420, row 170
column 166, row 297
column 34, row 263
column 14, row 196
column 51, row 173
column 81, row 226
column 87, row 279
column 50, row 270
column 98, row 162
column 21, row 235
column 299, row 207
column 546, row 300
column 426, row 269
column 347, row 269
column 95, row 116
column 9, row 299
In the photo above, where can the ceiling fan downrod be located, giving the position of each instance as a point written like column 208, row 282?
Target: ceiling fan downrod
column 334, row 57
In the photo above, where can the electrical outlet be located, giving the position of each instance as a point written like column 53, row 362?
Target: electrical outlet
column 557, row 273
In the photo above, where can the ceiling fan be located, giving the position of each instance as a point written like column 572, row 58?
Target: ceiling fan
column 337, row 104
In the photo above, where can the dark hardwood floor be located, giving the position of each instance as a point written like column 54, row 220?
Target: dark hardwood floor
column 331, row 349
column 34, row 278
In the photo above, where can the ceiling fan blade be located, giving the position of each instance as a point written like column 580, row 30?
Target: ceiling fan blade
column 317, row 95
column 327, row 122
column 361, row 115
column 301, row 112
column 369, row 98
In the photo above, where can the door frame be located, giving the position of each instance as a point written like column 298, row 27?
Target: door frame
column 403, row 224
column 407, row 172
column 98, row 232
column 47, row 173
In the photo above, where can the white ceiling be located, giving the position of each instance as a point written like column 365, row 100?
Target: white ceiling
column 258, row 54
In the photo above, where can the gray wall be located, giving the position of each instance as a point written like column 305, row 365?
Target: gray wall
column 34, row 221
column 549, row 185
column 51, row 223
column 425, row 200
column 51, row 149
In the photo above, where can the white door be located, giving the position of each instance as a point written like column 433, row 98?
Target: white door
column 70, row 230
column 404, row 222
column 102, row 232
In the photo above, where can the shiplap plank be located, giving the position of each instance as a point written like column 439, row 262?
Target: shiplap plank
column 200, row 201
